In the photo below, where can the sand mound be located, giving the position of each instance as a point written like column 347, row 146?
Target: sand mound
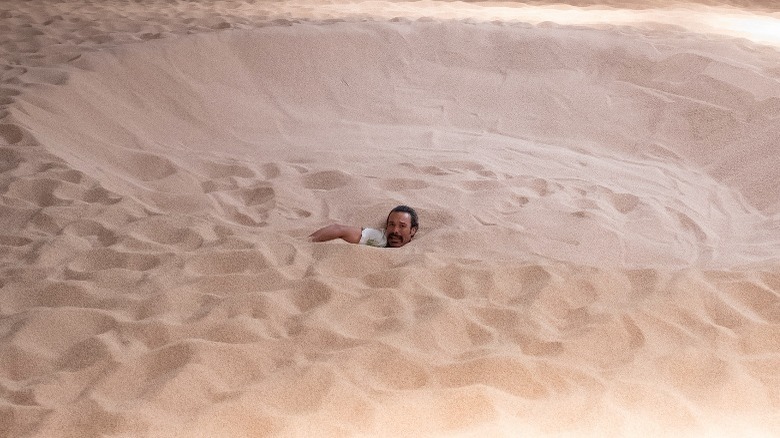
column 597, row 256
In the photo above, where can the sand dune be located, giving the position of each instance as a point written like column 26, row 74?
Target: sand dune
column 600, row 225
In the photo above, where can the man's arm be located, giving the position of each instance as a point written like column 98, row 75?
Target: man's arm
column 337, row 231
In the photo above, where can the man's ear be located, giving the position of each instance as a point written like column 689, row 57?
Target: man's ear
column 414, row 231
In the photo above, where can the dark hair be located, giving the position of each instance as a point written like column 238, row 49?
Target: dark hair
column 406, row 209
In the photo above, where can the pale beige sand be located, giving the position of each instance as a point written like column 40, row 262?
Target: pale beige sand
column 598, row 191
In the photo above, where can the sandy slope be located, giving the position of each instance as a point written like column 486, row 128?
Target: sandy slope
column 600, row 224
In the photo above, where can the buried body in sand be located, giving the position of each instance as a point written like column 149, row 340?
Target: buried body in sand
column 400, row 227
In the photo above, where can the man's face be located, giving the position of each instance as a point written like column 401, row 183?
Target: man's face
column 399, row 229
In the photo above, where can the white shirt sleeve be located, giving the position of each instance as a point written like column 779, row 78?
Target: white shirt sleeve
column 373, row 237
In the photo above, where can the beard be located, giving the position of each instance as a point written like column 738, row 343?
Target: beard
column 394, row 239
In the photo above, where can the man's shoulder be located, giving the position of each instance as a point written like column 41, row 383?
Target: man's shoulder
column 373, row 237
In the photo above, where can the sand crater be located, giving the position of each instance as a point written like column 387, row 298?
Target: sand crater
column 597, row 117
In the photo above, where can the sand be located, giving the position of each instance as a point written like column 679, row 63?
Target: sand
column 598, row 187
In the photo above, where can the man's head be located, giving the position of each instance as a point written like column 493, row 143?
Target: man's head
column 401, row 226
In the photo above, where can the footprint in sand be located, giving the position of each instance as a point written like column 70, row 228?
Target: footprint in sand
column 43, row 192
column 57, row 186
column 85, row 354
column 162, row 231
column 158, row 367
column 92, row 230
column 688, row 224
column 9, row 94
column 247, row 219
column 99, row 195
column 326, row 180
column 271, row 170
column 62, row 294
column 458, row 281
column 11, row 134
column 251, row 197
column 150, row 36
column 624, row 202
column 9, row 160
column 249, row 206
column 66, row 174
column 543, row 187
column 312, row 294
column 534, row 346
column 15, row 241
column 148, row 167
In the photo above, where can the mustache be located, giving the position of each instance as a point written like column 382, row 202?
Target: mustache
column 396, row 235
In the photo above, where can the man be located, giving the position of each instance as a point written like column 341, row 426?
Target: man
column 400, row 227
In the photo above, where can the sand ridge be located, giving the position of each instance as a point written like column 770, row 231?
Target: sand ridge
column 599, row 243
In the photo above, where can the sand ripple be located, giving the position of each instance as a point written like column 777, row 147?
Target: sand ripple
column 599, row 242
